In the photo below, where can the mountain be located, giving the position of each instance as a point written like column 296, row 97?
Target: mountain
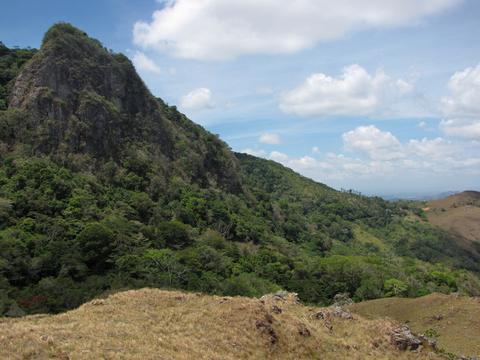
column 104, row 187
column 155, row 324
column 83, row 101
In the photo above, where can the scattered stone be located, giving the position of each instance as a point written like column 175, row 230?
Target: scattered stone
column 97, row 302
column 428, row 342
column 336, row 312
column 342, row 299
column 303, row 330
column 265, row 326
column 328, row 325
column 281, row 295
column 276, row 309
column 47, row 339
column 340, row 313
column 321, row 315
column 403, row 339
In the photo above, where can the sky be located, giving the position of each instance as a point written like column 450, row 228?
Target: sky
column 379, row 96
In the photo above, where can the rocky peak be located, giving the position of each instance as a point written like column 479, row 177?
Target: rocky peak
column 70, row 62
column 77, row 97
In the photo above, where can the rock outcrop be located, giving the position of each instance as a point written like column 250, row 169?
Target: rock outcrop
column 78, row 98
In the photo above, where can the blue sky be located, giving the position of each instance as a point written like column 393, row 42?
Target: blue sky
column 379, row 96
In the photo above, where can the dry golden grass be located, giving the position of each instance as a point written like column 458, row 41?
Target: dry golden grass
column 459, row 213
column 455, row 319
column 156, row 324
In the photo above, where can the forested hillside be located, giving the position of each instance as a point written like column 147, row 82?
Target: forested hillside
column 103, row 187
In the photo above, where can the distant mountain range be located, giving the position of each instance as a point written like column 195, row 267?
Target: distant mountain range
column 418, row 196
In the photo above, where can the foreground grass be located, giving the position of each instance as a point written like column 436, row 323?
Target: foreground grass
column 156, row 324
column 456, row 320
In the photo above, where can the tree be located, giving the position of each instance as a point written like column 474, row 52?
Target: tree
column 395, row 287
column 163, row 264
column 96, row 243
column 174, row 234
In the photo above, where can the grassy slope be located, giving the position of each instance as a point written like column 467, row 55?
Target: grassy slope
column 455, row 319
column 155, row 324
column 459, row 213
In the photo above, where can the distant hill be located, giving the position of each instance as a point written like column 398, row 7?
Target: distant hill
column 419, row 196
column 453, row 320
column 459, row 213
column 154, row 324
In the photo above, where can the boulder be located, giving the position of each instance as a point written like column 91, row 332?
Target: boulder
column 342, row 299
column 402, row 338
column 283, row 296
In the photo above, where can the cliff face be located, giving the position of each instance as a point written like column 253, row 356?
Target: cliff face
column 79, row 98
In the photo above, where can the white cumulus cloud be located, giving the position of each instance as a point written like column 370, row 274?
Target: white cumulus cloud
column 197, row 99
column 461, row 128
column 465, row 93
column 355, row 92
column 377, row 144
column 437, row 149
column 269, row 138
column 220, row 29
column 462, row 107
column 278, row 156
column 379, row 155
column 143, row 63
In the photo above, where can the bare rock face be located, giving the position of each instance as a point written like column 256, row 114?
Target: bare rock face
column 85, row 97
column 76, row 97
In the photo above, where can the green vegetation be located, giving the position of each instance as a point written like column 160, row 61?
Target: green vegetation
column 11, row 61
column 103, row 188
